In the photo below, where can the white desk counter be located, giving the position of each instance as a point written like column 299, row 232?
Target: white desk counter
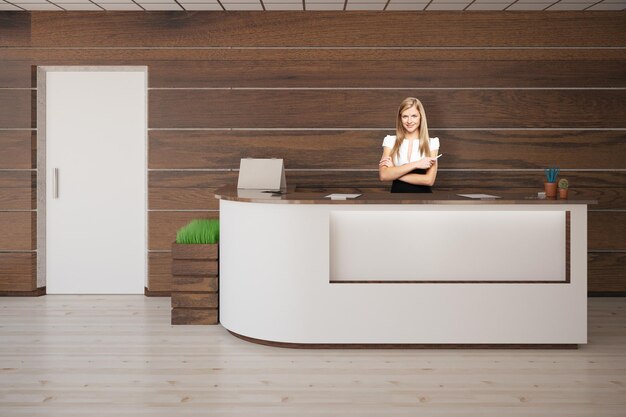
column 403, row 270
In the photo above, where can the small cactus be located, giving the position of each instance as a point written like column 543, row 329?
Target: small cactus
column 563, row 184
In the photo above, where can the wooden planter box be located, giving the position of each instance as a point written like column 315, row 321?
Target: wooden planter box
column 195, row 296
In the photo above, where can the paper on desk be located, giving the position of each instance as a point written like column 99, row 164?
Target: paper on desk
column 341, row 196
column 478, row 195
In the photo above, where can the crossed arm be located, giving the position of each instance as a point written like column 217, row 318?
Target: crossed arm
column 388, row 172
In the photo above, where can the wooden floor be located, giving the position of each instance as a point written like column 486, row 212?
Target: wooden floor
column 118, row 356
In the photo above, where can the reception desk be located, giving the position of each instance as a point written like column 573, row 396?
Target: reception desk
column 403, row 270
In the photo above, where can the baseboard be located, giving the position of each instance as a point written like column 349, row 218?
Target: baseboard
column 606, row 294
column 149, row 293
column 404, row 345
column 34, row 293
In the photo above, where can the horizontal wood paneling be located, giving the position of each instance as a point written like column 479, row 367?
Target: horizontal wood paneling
column 162, row 56
column 425, row 73
column 15, row 29
column 189, row 190
column 15, row 74
column 159, row 271
column 15, row 109
column 17, row 199
column 18, row 179
column 162, row 226
column 18, row 271
column 327, row 29
column 17, row 190
column 18, row 149
column 17, row 230
column 607, row 272
column 376, row 109
column 312, row 157
column 361, row 149
column 364, row 68
column 171, row 190
column 606, row 230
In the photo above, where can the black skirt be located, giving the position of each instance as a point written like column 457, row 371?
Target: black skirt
column 404, row 187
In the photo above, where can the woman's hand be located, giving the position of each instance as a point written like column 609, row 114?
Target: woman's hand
column 425, row 163
column 385, row 162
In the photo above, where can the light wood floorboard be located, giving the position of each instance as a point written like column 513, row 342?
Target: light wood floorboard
column 118, row 356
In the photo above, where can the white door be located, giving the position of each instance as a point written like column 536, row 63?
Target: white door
column 95, row 198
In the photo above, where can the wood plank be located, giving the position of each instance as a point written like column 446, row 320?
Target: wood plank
column 15, row 109
column 194, row 316
column 18, row 149
column 195, row 283
column 483, row 109
column 18, row 230
column 182, row 199
column 209, row 369
column 18, row 190
column 606, row 230
column 194, row 300
column 188, row 267
column 159, row 271
column 361, row 149
column 163, row 56
column 18, row 179
column 162, row 226
column 16, row 74
column 174, row 190
column 15, row 28
column 607, row 272
column 351, row 28
column 391, row 73
column 195, row 251
column 18, row 271
column 18, row 199
column 185, row 190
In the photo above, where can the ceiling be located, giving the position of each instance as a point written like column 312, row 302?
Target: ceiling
column 387, row 5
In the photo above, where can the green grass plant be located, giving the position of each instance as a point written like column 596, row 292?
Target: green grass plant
column 199, row 231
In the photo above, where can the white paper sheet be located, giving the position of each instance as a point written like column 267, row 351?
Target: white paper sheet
column 478, row 196
column 341, row 196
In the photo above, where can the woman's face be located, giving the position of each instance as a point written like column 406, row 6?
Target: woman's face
column 410, row 119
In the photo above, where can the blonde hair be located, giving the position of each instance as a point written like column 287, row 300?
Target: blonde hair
column 424, row 139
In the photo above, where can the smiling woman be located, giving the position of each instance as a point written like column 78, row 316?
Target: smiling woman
column 412, row 166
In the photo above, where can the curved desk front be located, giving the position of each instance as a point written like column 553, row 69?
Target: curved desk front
column 403, row 270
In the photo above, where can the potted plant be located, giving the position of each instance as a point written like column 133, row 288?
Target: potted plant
column 195, row 273
column 563, row 187
column 550, row 184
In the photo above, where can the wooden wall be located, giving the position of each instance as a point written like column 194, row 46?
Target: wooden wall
column 507, row 93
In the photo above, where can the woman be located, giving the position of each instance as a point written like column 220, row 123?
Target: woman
column 409, row 157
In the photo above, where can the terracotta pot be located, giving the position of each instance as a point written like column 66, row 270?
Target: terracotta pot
column 563, row 193
column 550, row 188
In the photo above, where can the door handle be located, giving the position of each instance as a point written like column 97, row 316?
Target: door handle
column 55, row 183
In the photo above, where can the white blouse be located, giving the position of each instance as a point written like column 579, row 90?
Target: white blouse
column 403, row 157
